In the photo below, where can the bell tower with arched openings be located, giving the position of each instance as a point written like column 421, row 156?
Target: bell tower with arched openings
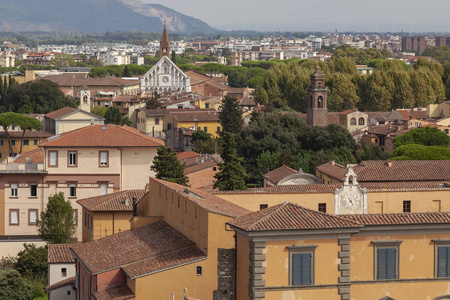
column 317, row 100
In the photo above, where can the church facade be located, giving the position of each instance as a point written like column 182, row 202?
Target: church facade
column 165, row 77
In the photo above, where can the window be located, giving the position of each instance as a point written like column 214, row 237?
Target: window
column 73, row 190
column 442, row 258
column 103, row 188
column 13, row 142
column 185, row 206
column 352, row 121
column 26, row 142
column 323, row 207
column 35, row 142
column 75, row 216
column 263, row 206
column 33, row 190
column 302, row 265
column 156, row 121
column 198, row 271
column 13, row 217
column 13, row 189
column 63, row 272
column 1, row 142
column 214, row 168
column 53, row 158
column 104, row 158
column 361, row 121
column 407, row 206
column 386, row 259
column 218, row 128
column 196, row 213
column 205, row 129
column 178, row 201
column 206, row 105
column 32, row 216
column 72, row 156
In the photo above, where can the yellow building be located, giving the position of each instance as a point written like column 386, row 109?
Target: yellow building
column 204, row 119
column 30, row 141
column 107, row 214
column 151, row 121
column 441, row 110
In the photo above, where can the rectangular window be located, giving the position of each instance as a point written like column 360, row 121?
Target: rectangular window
column 443, row 261
column 263, row 206
column 72, row 158
column 323, row 207
column 218, row 128
column 53, row 158
column 104, row 158
column 75, row 216
column 185, row 206
column 205, row 129
column 206, row 105
column 386, row 259
column 1, row 142
column 32, row 216
column 13, row 142
column 73, row 190
column 196, row 213
column 407, row 206
column 103, row 188
column 302, row 265
column 63, row 272
column 26, row 142
column 14, row 190
column 35, row 142
column 33, row 190
column 156, row 121
column 13, row 217
column 198, row 271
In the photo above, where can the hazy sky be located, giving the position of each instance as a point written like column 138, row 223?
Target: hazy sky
column 381, row 15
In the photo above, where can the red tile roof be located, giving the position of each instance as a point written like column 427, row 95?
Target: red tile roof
column 289, row 216
column 286, row 189
column 206, row 200
column 276, row 175
column 189, row 115
column 112, row 202
column 60, row 253
column 155, row 112
column 102, row 136
column 36, row 155
column 187, row 154
column 28, row 134
column 68, row 281
column 147, row 245
column 381, row 170
column 60, row 112
column 346, row 112
column 121, row 292
column 400, row 218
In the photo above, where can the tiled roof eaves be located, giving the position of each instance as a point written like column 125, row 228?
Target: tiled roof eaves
column 68, row 281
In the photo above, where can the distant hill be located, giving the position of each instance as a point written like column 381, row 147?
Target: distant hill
column 96, row 16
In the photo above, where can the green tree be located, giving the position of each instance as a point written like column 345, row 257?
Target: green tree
column 202, row 142
column 126, row 121
column 99, row 111
column 27, row 123
column 62, row 60
column 342, row 93
column 230, row 115
column 32, row 262
column 174, row 57
column 427, row 136
column 420, row 152
column 7, row 120
column 127, row 72
column 167, row 166
column 56, row 224
column 266, row 162
column 13, row 286
column 231, row 175
column 113, row 115
column 153, row 102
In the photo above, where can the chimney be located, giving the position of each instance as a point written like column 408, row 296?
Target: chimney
column 389, row 163
column 29, row 160
column 127, row 202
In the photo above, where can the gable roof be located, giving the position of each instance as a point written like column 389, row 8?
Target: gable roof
column 159, row 63
column 60, row 112
column 289, row 216
column 138, row 251
column 59, row 284
column 189, row 115
column 102, row 136
column 60, row 253
column 276, row 175
column 112, row 202
column 400, row 218
column 36, row 155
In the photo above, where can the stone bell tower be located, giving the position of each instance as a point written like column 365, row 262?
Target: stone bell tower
column 317, row 101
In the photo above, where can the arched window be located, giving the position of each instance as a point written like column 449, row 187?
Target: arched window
column 361, row 121
column 352, row 121
column 319, row 84
column 350, row 180
column 320, row 102
column 85, row 98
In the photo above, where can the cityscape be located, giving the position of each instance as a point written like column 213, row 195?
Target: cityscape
column 146, row 154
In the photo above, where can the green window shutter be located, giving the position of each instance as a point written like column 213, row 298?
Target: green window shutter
column 301, row 269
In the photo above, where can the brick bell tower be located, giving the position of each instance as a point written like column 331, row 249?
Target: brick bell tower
column 317, row 101
column 164, row 44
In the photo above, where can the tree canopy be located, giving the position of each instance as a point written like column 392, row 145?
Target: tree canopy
column 427, row 136
column 230, row 115
column 420, row 152
column 14, row 286
column 56, row 224
column 32, row 262
column 202, row 142
column 167, row 166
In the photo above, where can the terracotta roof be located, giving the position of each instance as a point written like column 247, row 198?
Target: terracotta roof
column 382, row 129
column 400, row 218
column 28, row 134
column 276, row 175
column 195, row 114
column 102, row 136
column 121, row 292
column 112, row 202
column 60, row 253
column 247, row 101
column 206, row 200
column 155, row 112
column 74, row 81
column 381, row 170
column 68, row 281
column 378, row 115
column 134, row 247
column 60, row 112
column 125, row 98
column 317, row 73
column 333, row 118
column 289, row 216
column 200, row 166
column 187, row 154
column 346, row 112
column 286, row 189
column 405, row 186
column 37, row 156
column 236, row 90
column 197, row 77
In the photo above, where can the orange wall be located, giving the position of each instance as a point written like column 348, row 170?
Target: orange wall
column 202, row 178
column 242, row 264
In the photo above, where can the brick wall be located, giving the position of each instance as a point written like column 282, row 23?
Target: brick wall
column 226, row 260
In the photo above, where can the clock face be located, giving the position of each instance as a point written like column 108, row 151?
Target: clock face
column 350, row 201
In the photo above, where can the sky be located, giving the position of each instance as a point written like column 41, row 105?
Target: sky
column 324, row 15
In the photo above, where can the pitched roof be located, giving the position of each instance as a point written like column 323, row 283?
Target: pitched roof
column 112, row 202
column 247, row 101
column 381, row 170
column 60, row 112
column 102, row 136
column 155, row 112
column 189, row 115
column 60, row 253
column 289, row 216
column 91, row 82
column 400, row 218
column 187, row 154
column 206, row 200
column 68, row 281
column 346, row 112
column 28, row 134
column 378, row 115
column 133, row 249
column 120, row 292
column 36, row 155
column 286, row 189
column 279, row 173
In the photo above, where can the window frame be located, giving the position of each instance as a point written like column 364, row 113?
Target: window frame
column 393, row 244
column 49, row 159
column 14, row 187
column 29, row 217
column 31, row 194
column 437, row 244
column 322, row 207
column 75, row 216
column 74, row 186
column 63, row 272
column 103, row 188
column 26, row 142
column 100, row 159
column 18, row 216
column 406, row 206
column 70, row 164
column 301, row 249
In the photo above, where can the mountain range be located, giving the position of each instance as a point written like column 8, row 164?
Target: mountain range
column 96, row 16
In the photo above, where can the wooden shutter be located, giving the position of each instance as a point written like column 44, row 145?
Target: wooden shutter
column 301, row 269
column 443, row 262
column 386, row 263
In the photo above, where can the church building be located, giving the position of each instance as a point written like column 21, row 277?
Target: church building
column 165, row 77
